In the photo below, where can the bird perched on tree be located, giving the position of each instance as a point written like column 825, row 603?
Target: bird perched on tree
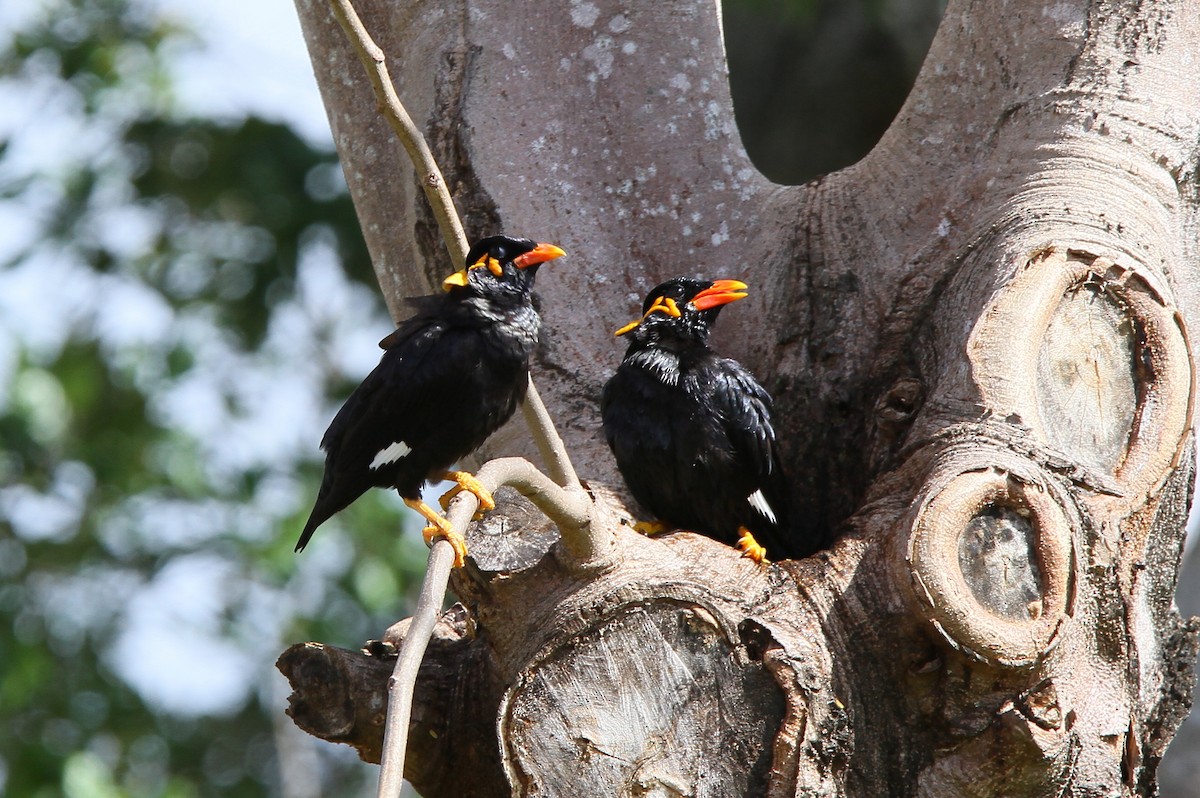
column 449, row 377
column 691, row 431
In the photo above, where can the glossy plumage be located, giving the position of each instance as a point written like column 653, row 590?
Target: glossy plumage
column 450, row 376
column 691, row 431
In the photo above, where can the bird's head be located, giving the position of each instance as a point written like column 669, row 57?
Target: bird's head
column 683, row 310
column 498, row 266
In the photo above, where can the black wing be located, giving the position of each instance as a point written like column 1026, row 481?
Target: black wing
column 428, row 310
column 385, row 409
column 762, row 491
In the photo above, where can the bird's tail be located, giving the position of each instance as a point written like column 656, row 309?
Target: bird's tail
column 314, row 521
column 330, row 500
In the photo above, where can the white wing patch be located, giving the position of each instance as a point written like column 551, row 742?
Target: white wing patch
column 759, row 502
column 391, row 454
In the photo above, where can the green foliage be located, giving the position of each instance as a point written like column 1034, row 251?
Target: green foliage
column 182, row 305
column 261, row 185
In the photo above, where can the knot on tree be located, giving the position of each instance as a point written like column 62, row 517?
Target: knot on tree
column 991, row 554
column 1091, row 357
column 1038, row 514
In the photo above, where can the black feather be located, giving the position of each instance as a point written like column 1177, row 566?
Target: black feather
column 450, row 375
column 692, row 432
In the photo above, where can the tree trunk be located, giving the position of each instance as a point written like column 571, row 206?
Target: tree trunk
column 977, row 341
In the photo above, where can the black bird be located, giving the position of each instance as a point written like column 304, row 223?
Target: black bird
column 449, row 377
column 691, row 431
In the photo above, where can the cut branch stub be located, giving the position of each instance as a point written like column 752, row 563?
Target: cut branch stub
column 990, row 556
column 706, row 716
column 653, row 677
column 1093, row 358
column 337, row 695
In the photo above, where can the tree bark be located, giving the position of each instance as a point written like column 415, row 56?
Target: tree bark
column 977, row 341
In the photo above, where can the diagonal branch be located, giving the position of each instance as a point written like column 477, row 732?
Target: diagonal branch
column 569, row 508
column 550, row 445
column 397, row 116
column 408, row 662
column 566, row 503
column 548, row 441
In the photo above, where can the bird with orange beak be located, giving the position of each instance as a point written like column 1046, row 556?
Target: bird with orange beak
column 692, row 431
column 449, row 377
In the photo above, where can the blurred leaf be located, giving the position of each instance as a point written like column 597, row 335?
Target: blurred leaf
column 179, row 246
column 254, row 176
column 85, row 775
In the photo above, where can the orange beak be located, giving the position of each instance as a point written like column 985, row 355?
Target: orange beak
column 721, row 292
column 539, row 254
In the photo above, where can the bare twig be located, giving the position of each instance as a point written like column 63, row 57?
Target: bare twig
column 432, row 181
column 568, row 507
column 550, row 445
column 441, row 555
column 408, row 662
column 548, row 441
column 565, row 503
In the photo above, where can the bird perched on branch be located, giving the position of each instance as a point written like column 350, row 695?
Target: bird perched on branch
column 691, row 431
column 449, row 377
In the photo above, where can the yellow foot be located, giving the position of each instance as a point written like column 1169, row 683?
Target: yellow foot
column 750, row 547
column 439, row 527
column 472, row 485
column 649, row 528
column 456, row 541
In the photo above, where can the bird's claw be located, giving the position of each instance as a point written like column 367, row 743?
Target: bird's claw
column 472, row 485
column 751, row 547
column 441, row 528
column 445, row 499
column 650, row 528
